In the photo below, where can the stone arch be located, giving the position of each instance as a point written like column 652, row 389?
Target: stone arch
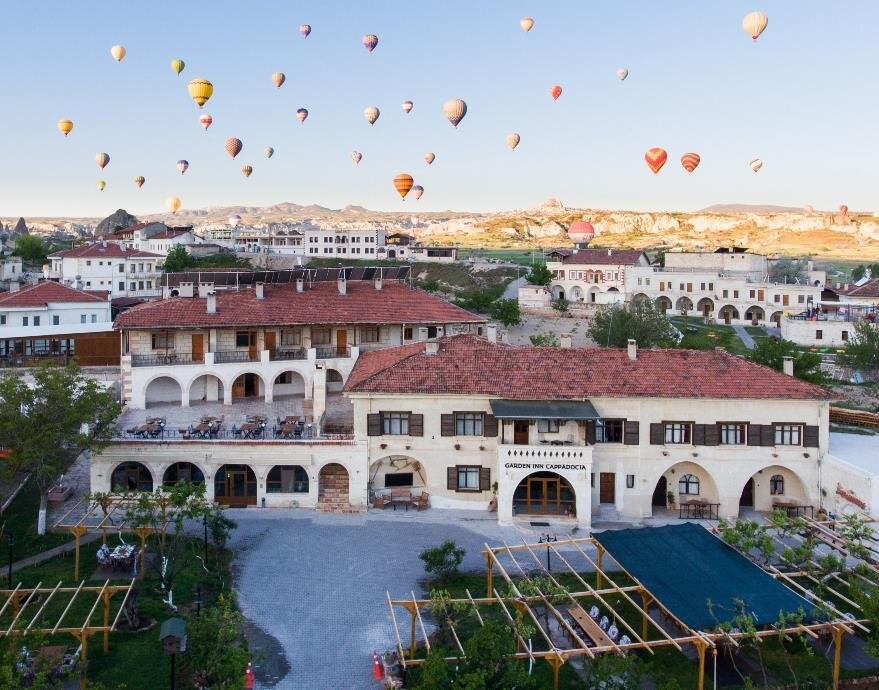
column 592, row 294
column 131, row 476
column 333, row 487
column 248, row 384
column 182, row 471
column 235, row 485
column 776, row 318
column 755, row 314
column 759, row 491
column 558, row 292
column 663, row 303
column 728, row 313
column 205, row 388
column 684, row 303
column 545, row 493
column 576, row 294
column 705, row 306
column 613, row 289
column 290, row 383
column 335, row 380
column 640, row 297
column 403, row 470
column 675, row 472
column 162, row 389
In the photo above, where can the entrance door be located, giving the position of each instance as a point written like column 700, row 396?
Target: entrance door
column 251, row 346
column 659, row 493
column 269, row 342
column 197, row 347
column 520, row 432
column 608, row 488
column 235, row 485
column 238, row 387
column 342, row 342
column 785, row 300
column 747, row 498
column 727, row 317
column 544, row 493
column 245, row 386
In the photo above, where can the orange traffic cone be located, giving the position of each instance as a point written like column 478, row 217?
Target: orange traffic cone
column 378, row 671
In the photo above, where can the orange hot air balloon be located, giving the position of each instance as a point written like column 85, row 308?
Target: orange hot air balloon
column 246, row 169
column 555, row 92
column 690, row 161
column 233, row 146
column 656, row 158
column 403, row 183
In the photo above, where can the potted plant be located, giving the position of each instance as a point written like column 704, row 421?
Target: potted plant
column 670, row 500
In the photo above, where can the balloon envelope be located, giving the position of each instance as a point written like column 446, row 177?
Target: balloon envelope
column 407, row 106
column 301, row 114
column 417, row 191
column 754, row 24
column 690, row 161
column 356, row 156
column 173, row 203
column 622, row 73
column 233, row 146
column 182, row 166
column 555, row 92
column 527, row 23
column 513, row 140
column 200, row 90
column 756, row 164
column 455, row 110
column 429, row 157
column 403, row 183
column 371, row 114
column 370, row 41
column 139, row 180
column 269, row 151
column 246, row 169
column 102, row 159
column 118, row 52
column 656, row 158
column 177, row 65
column 305, row 29
column 205, row 121
column 101, row 185
column 278, row 78
column 65, row 126
column 581, row 232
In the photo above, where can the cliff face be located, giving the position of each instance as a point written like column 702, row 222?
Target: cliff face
column 120, row 219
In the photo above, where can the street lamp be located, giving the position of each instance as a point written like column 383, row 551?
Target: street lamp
column 547, row 539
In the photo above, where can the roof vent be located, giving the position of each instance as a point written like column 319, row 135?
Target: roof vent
column 259, row 289
column 378, row 283
column 565, row 341
column 205, row 289
column 610, row 252
column 431, row 347
column 788, row 366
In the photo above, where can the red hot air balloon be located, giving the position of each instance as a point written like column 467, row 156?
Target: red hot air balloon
column 656, row 158
column 555, row 92
column 690, row 161
column 581, row 232
column 205, row 121
column 233, row 146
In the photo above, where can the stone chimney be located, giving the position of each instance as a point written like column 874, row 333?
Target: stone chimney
column 14, row 286
column 788, row 366
column 205, row 289
column 300, row 285
column 431, row 347
column 491, row 333
column 259, row 290
column 610, row 252
column 342, row 285
column 378, row 283
column 565, row 341
column 211, row 302
column 633, row 349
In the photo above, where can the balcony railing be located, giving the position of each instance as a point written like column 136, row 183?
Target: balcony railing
column 228, row 356
column 282, row 354
column 12, row 361
column 332, row 352
column 182, row 435
column 522, row 453
column 164, row 359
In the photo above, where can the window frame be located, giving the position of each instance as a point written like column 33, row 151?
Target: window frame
column 277, row 485
column 369, row 334
column 681, row 430
column 326, row 336
column 784, row 432
column 545, row 426
column 739, row 428
column 158, row 336
column 601, row 432
column 776, row 485
column 687, row 482
column 474, row 420
column 400, row 420
column 466, row 471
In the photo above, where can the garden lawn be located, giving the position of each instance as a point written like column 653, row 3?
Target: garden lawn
column 701, row 336
column 20, row 521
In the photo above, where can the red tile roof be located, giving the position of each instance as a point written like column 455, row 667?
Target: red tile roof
column 168, row 234
column 321, row 303
column 41, row 294
column 111, row 250
column 470, row 365
column 131, row 228
column 605, row 257
column 868, row 289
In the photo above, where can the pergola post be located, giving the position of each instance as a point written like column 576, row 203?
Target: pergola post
column 412, row 636
column 645, row 606
column 84, row 658
column 77, row 532
column 556, row 664
column 600, row 550
column 837, row 654
column 142, row 533
column 106, row 597
column 700, row 649
column 489, row 571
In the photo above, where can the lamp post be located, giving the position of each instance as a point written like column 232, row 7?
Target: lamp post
column 547, row 539
column 10, row 541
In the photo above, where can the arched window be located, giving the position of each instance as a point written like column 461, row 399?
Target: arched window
column 287, row 479
column 183, row 472
column 131, row 476
column 776, row 485
column 688, row 485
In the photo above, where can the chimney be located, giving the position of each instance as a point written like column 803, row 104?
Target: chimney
column 378, row 283
column 343, row 286
column 788, row 366
column 431, row 347
column 211, row 302
column 565, row 340
column 610, row 252
column 491, row 333
column 103, row 243
column 300, row 285
column 258, row 288
column 633, row 349
column 14, row 286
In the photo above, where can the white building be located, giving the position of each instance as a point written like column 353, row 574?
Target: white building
column 10, row 268
column 359, row 243
column 402, row 247
column 154, row 237
column 108, row 266
column 593, row 276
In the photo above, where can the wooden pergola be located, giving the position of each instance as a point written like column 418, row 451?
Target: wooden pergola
column 24, row 610
column 564, row 643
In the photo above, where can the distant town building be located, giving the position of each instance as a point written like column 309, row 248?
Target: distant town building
column 403, row 247
column 154, row 237
column 107, row 266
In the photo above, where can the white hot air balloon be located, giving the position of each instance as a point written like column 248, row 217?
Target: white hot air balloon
column 756, row 164
column 371, row 114
column 454, row 110
column 527, row 23
column 417, row 191
column 269, row 151
column 429, row 157
column 356, row 156
column 754, row 23
column 512, row 141
column 407, row 106
column 234, row 220
column 622, row 73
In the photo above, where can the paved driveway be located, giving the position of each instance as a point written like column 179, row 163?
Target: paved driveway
column 317, row 582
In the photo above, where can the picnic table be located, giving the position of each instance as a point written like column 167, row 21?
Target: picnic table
column 698, row 510
column 590, row 627
column 793, row 509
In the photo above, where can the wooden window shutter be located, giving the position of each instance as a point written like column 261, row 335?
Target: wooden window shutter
column 447, row 425
column 416, row 424
column 632, row 432
column 489, row 425
column 374, row 424
column 452, row 478
column 590, row 432
column 712, row 435
column 485, row 479
column 810, row 436
column 754, row 434
column 698, row 434
column 767, row 435
column 657, row 434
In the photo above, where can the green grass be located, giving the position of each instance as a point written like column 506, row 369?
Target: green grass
column 516, row 256
column 20, row 521
column 697, row 335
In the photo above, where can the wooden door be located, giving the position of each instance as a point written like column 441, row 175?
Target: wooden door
column 607, row 488
column 197, row 347
column 761, row 296
column 342, row 341
column 238, row 387
column 785, row 300
column 251, row 346
column 727, row 317
column 520, row 432
column 269, row 342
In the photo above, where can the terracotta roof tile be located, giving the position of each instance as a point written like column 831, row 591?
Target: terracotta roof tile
column 604, row 257
column 868, row 289
column 470, row 365
column 320, row 303
column 41, row 294
column 111, row 250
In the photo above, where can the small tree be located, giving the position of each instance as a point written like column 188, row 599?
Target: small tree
column 858, row 272
column 177, row 260
column 771, row 353
column 561, row 305
column 30, row 248
column 539, row 275
column 506, row 311
column 443, row 561
column 545, row 340
column 640, row 320
column 787, row 270
column 862, row 350
column 217, row 650
column 220, row 526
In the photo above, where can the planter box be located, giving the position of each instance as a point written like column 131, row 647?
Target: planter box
column 59, row 495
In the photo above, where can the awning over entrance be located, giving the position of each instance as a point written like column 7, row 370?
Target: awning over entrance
column 543, row 409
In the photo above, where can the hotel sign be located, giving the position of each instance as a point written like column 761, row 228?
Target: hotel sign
column 542, row 466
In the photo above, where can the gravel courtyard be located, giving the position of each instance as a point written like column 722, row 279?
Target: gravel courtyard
column 316, row 583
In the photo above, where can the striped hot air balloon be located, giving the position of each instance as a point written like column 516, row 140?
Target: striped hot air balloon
column 371, row 114
column 246, row 170
column 429, row 157
column 455, row 110
column 182, row 166
column 200, row 90
column 233, row 146
column 205, row 121
column 407, row 106
column 301, row 114
column 555, row 92
column 513, row 141
column 102, row 159
column 65, row 126
column 403, row 183
column 278, row 78
column 690, row 161
column 656, row 158
column 754, row 24
column 370, row 41
column 756, row 164
column 417, row 191
column 581, row 232
column 139, row 180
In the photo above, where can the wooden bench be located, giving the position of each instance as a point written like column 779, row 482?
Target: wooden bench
column 590, row 627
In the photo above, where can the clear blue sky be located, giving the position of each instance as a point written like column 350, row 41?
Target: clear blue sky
column 803, row 98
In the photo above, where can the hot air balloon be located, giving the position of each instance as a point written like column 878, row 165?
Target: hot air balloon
column 581, row 232
column 527, row 23
column 301, row 114
column 205, row 121
column 102, row 159
column 173, row 203
column 356, row 156
column 182, row 166
column 118, row 52
column 843, row 214
column 756, row 164
column 233, row 146
column 65, row 126
column 177, row 65
column 246, row 170
column 417, row 191
column 808, row 209
column 200, row 90
column 139, row 180
column 455, row 110
column 370, row 41
column 407, row 106
column 371, row 114
column 403, row 183
column 269, row 151
column 278, row 78
column 512, row 141
column 234, row 220
column 304, row 30
column 429, row 157
column 754, row 23
column 622, row 73
column 690, row 161
column 555, row 92
column 656, row 158
column 101, row 185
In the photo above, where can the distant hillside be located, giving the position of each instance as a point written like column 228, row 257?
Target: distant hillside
column 750, row 208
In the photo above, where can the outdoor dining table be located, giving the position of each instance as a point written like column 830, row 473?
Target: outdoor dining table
column 251, row 429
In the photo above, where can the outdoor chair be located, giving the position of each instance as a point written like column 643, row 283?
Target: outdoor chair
column 236, row 432
column 594, row 613
column 381, row 500
column 422, row 502
column 603, row 623
column 613, row 632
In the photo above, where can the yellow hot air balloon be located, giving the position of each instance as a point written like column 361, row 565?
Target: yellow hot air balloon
column 118, row 52
column 278, row 78
column 455, row 110
column 177, row 65
column 754, row 23
column 101, row 185
column 102, row 159
column 512, row 141
column 65, row 126
column 371, row 114
column 246, row 169
column 139, row 180
column 200, row 90
column 173, row 203
column 403, row 183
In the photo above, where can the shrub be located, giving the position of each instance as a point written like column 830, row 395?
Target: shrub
column 442, row 562
column 545, row 340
